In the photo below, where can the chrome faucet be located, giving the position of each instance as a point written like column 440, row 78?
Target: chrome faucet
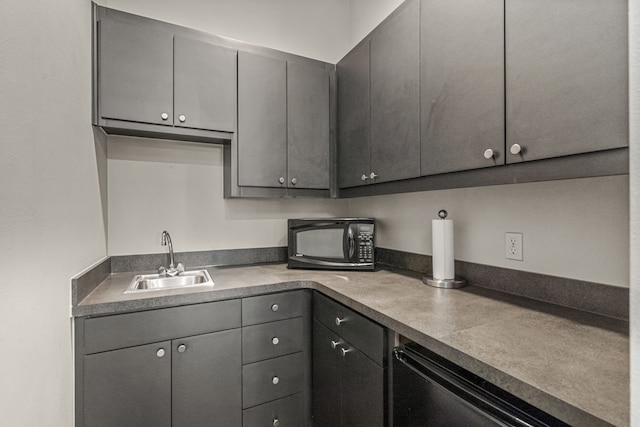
column 173, row 269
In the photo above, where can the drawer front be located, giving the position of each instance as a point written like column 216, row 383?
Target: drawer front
column 272, row 379
column 362, row 333
column 287, row 412
column 274, row 339
column 272, row 307
column 132, row 329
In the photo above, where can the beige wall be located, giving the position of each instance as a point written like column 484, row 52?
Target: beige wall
column 51, row 218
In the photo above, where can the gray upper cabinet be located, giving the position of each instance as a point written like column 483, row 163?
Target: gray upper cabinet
column 566, row 77
column 262, row 120
column 462, row 85
column 283, row 123
column 135, row 73
column 204, row 85
column 395, row 96
column 354, row 117
column 308, row 126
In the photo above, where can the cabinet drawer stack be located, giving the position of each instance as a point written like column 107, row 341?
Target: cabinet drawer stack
column 276, row 359
column 349, row 367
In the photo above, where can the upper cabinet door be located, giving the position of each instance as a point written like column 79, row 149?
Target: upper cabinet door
column 566, row 77
column 462, row 84
column 395, row 96
column 354, row 117
column 262, row 120
column 204, row 85
column 136, row 73
column 308, row 126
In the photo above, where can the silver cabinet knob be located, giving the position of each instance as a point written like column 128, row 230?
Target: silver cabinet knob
column 275, row 307
column 164, row 116
column 335, row 344
column 276, row 422
column 373, row 175
column 488, row 153
column 294, row 181
column 275, row 341
column 275, row 380
column 182, row 348
column 182, row 118
column 281, row 180
column 344, row 351
column 160, row 352
column 364, row 177
column 515, row 149
column 339, row 321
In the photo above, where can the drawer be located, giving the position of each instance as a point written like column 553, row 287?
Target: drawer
column 272, row 379
column 273, row 339
column 287, row 412
column 132, row 329
column 272, row 307
column 364, row 334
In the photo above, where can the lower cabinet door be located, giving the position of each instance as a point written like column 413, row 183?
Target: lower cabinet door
column 286, row 412
column 128, row 387
column 207, row 380
column 362, row 391
column 327, row 369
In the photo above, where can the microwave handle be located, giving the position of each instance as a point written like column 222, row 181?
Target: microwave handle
column 352, row 242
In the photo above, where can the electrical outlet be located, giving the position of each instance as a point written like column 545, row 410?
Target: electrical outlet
column 513, row 246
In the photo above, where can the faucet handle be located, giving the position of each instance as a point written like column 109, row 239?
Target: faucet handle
column 162, row 271
column 180, row 268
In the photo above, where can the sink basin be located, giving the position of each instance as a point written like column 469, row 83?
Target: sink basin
column 156, row 282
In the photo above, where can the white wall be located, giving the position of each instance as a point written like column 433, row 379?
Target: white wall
column 634, row 110
column 365, row 15
column 51, row 221
column 156, row 185
column 316, row 29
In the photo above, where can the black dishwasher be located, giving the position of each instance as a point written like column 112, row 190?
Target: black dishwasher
column 430, row 391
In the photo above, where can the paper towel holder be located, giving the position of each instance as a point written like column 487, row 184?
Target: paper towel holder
column 456, row 283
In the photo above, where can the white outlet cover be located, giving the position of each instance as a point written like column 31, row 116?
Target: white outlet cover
column 513, row 246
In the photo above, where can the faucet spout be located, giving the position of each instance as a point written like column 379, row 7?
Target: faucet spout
column 173, row 270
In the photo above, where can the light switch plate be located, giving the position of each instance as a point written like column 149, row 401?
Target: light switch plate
column 513, row 246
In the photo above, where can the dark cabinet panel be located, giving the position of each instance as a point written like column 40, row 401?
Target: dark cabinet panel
column 462, row 85
column 354, row 118
column 307, row 126
column 272, row 379
column 128, row 387
column 204, row 85
column 362, row 391
column 272, row 339
column 566, row 77
column 327, row 372
column 395, row 96
column 206, row 389
column 286, row 412
column 271, row 307
column 262, row 120
column 136, row 73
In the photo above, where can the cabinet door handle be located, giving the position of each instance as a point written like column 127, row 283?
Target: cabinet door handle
column 515, row 149
column 160, row 352
column 373, row 175
column 275, row 341
column 182, row 348
column 275, row 307
column 335, row 344
column 276, row 422
column 281, row 180
column 364, row 177
column 275, row 380
column 339, row 321
column 294, row 181
column 344, row 351
column 488, row 153
column 182, row 118
column 164, row 116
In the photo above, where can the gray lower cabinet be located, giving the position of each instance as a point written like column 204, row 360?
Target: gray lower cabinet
column 349, row 377
column 566, row 77
column 149, row 75
column 283, row 123
column 395, row 96
column 462, row 85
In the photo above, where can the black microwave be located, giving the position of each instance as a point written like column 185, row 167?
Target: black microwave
column 331, row 243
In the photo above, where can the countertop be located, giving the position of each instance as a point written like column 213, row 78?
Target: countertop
column 571, row 364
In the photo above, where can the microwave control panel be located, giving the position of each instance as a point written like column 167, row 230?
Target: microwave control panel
column 365, row 243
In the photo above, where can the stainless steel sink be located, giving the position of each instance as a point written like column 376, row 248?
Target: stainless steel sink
column 157, row 282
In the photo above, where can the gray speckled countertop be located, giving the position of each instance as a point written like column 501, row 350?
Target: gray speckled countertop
column 571, row 364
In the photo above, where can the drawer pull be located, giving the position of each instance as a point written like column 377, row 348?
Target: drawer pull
column 275, row 380
column 339, row 321
column 335, row 344
column 275, row 307
column 275, row 341
column 160, row 352
column 182, row 348
column 276, row 422
column 344, row 351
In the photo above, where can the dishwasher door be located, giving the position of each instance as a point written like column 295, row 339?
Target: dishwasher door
column 428, row 391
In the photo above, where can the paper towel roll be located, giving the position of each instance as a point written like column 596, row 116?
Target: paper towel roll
column 442, row 241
